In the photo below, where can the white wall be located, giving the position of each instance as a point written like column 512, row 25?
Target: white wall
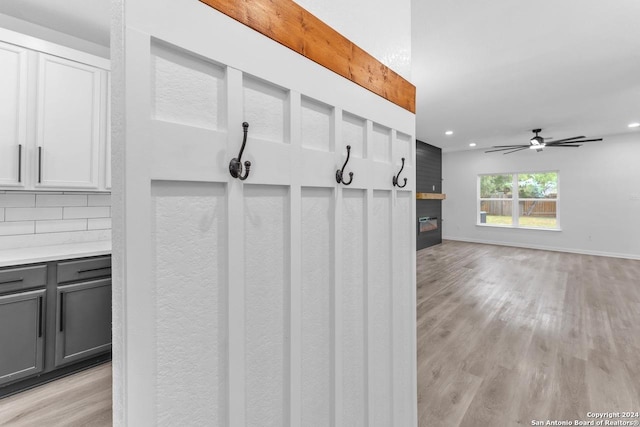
column 599, row 197
column 381, row 27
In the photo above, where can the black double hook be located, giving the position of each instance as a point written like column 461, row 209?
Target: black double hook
column 235, row 165
column 396, row 178
column 340, row 172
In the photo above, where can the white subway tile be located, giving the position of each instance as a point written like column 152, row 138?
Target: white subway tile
column 62, row 225
column 26, row 214
column 87, row 212
column 99, row 199
column 50, row 200
column 9, row 200
column 17, row 227
column 99, row 223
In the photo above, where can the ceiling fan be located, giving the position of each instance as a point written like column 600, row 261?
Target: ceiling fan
column 538, row 143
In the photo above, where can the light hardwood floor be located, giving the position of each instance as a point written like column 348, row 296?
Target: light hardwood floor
column 508, row 335
column 79, row 400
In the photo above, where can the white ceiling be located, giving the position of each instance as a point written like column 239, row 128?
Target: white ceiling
column 85, row 19
column 489, row 71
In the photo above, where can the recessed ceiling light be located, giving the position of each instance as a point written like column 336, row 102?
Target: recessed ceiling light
column 634, row 125
column 473, row 144
column 449, row 132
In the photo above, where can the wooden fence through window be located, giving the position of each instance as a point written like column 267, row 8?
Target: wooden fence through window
column 536, row 208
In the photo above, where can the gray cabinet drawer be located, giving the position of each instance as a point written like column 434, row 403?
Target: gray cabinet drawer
column 19, row 278
column 91, row 268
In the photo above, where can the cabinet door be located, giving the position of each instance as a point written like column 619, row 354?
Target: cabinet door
column 70, row 102
column 21, row 335
column 13, row 115
column 83, row 322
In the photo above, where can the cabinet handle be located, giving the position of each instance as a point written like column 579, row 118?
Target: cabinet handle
column 39, row 165
column 12, row 281
column 40, row 317
column 93, row 269
column 61, row 312
column 19, row 162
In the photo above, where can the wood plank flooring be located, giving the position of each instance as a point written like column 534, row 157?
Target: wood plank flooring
column 79, row 400
column 509, row 335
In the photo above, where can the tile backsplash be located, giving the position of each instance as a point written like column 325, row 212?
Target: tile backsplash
column 62, row 216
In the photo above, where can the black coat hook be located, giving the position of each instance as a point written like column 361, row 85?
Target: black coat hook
column 235, row 165
column 340, row 172
column 397, row 177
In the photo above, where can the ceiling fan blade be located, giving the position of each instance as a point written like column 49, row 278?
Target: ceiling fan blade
column 517, row 149
column 551, row 144
column 566, row 139
column 505, row 149
column 510, row 146
column 562, row 145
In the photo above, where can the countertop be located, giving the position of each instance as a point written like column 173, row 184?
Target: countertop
column 9, row 257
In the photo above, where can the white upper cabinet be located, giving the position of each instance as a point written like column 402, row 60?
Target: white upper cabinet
column 107, row 158
column 71, row 102
column 53, row 117
column 13, row 115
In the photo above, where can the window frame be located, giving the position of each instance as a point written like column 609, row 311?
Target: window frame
column 515, row 199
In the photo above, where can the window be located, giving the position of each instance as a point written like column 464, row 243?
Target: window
column 525, row 200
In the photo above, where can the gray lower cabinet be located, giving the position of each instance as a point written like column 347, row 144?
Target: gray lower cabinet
column 55, row 318
column 83, row 324
column 21, row 335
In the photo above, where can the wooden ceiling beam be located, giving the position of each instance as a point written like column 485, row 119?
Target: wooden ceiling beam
column 294, row 27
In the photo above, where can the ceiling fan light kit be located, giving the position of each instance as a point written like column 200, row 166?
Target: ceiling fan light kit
column 538, row 143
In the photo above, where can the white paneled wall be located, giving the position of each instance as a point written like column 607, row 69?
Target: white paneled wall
column 193, row 100
column 58, row 215
column 354, row 314
column 403, row 147
column 266, row 243
column 265, row 108
column 316, row 126
column 381, row 144
column 191, row 312
column 403, row 303
column 287, row 299
column 317, row 305
column 354, row 131
column 380, row 304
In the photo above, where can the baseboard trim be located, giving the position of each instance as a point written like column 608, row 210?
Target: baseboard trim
column 544, row 248
column 38, row 380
